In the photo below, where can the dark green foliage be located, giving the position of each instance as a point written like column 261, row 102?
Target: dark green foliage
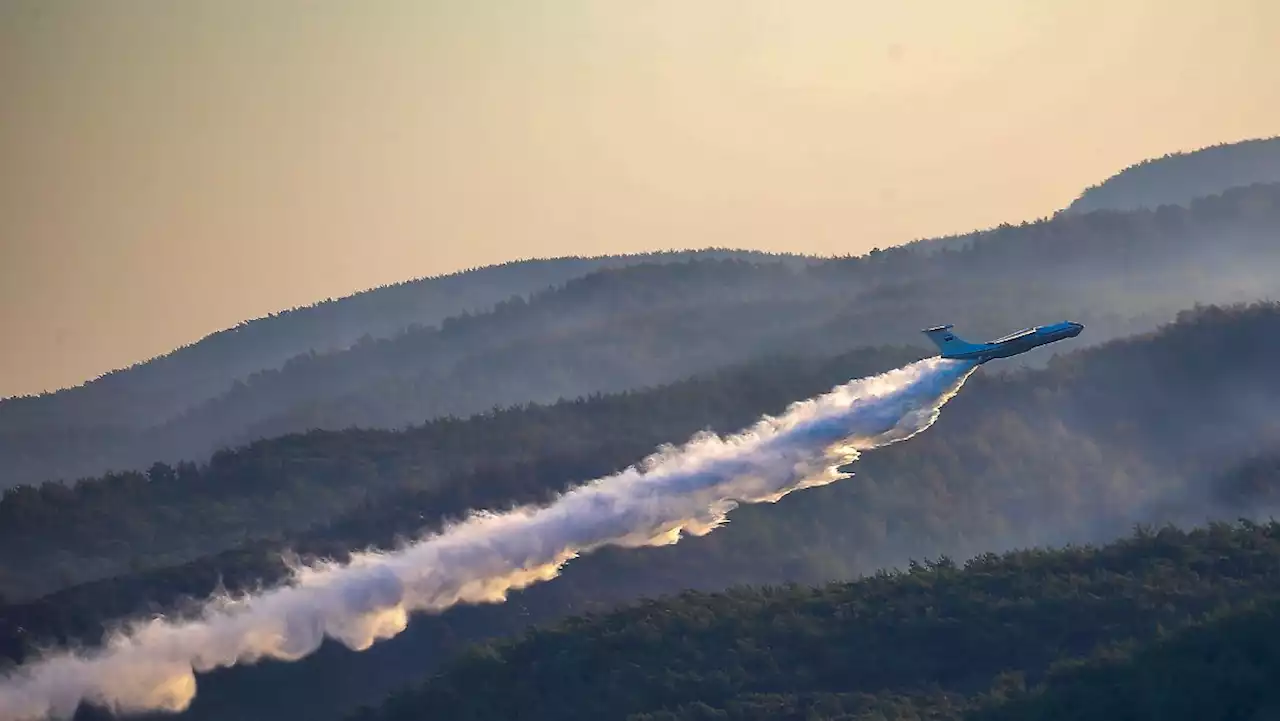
column 916, row 641
column 1222, row 669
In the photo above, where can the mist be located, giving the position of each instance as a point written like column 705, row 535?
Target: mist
column 619, row 329
column 677, row 491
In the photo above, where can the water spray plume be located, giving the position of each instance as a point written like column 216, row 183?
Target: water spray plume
column 150, row 665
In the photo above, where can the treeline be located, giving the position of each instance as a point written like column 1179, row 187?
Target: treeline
column 1175, row 426
column 1178, row 178
column 1163, row 625
column 649, row 324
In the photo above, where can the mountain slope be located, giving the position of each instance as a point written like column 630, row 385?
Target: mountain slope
column 54, row 534
column 1077, row 451
column 1178, row 178
column 153, row 391
column 937, row 628
column 1221, row 669
column 289, row 484
column 648, row 324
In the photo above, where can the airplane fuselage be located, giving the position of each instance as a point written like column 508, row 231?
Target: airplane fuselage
column 1010, row 345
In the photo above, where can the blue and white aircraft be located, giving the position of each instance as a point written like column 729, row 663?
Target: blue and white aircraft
column 955, row 347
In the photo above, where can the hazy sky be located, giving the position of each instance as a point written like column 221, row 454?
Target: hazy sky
column 171, row 168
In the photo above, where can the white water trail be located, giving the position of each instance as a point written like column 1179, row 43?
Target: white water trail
column 689, row 490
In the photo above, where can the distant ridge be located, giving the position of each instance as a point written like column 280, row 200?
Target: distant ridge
column 1178, row 178
column 163, row 386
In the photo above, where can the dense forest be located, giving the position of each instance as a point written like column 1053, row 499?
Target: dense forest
column 1163, row 624
column 1222, row 668
column 649, row 324
column 53, row 535
column 1178, row 178
column 1076, row 451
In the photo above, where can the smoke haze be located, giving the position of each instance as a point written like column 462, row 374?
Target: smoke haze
column 151, row 665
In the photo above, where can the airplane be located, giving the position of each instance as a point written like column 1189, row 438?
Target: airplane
column 956, row 348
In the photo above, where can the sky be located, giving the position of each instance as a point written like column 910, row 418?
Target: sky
column 173, row 168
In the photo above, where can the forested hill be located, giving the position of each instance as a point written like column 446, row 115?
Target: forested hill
column 1085, row 633
column 1223, row 668
column 1178, row 178
column 648, row 324
column 1175, row 426
column 150, row 392
column 56, row 535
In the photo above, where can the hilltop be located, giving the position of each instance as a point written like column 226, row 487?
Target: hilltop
column 1179, row 178
column 152, row 391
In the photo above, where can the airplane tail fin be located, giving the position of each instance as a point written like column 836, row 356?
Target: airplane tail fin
column 948, row 343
